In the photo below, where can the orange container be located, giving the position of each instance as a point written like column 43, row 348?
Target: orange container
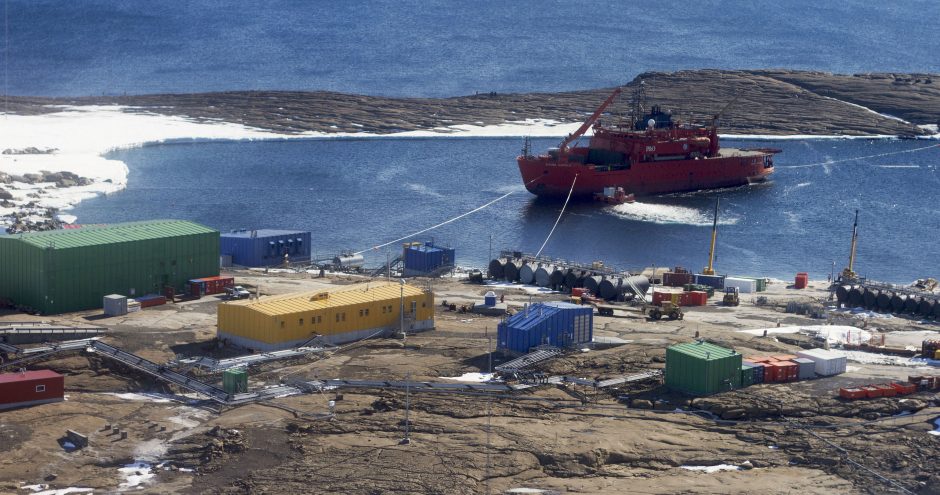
column 852, row 393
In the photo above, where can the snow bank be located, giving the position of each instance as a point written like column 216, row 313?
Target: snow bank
column 136, row 474
column 471, row 377
column 835, row 334
column 713, row 469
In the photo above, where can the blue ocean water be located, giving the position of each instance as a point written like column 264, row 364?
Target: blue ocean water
column 355, row 194
column 442, row 48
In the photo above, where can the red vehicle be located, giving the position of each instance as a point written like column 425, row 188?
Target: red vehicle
column 29, row 388
column 654, row 155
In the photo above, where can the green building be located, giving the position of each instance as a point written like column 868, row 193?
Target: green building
column 71, row 270
column 700, row 368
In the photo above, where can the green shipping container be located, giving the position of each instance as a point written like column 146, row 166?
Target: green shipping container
column 71, row 270
column 235, row 381
column 700, row 368
column 747, row 375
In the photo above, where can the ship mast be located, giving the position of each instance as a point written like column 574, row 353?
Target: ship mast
column 590, row 121
column 849, row 272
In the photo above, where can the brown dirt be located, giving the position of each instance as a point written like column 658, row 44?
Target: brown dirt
column 548, row 438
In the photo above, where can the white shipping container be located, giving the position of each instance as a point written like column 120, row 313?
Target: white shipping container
column 744, row 285
column 828, row 363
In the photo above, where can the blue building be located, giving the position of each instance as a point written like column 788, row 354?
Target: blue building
column 426, row 259
column 265, row 247
column 558, row 324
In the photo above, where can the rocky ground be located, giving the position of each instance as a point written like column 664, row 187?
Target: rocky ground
column 776, row 438
column 776, row 102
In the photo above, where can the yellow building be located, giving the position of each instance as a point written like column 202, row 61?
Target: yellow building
column 339, row 315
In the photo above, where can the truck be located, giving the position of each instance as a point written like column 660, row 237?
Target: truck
column 654, row 312
column 237, row 292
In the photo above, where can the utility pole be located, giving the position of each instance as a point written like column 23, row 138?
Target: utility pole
column 489, row 425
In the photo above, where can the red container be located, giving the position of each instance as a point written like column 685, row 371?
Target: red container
column 697, row 298
column 852, row 393
column 151, row 300
column 786, row 371
column 30, row 388
column 660, row 297
column 886, row 390
column 674, row 279
column 872, row 392
column 904, row 388
column 578, row 291
column 199, row 287
column 802, row 280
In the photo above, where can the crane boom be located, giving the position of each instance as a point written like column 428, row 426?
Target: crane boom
column 710, row 270
column 590, row 121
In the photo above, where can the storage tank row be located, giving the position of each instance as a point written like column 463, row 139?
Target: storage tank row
column 559, row 277
column 887, row 301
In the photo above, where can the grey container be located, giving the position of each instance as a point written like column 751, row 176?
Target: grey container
column 114, row 305
column 807, row 368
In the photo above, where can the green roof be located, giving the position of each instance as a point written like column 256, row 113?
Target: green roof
column 111, row 234
column 703, row 350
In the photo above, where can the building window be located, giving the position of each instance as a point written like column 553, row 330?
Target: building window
column 367, row 311
column 424, row 305
column 282, row 324
column 319, row 319
column 337, row 317
column 40, row 388
column 301, row 322
column 360, row 313
column 414, row 307
column 343, row 316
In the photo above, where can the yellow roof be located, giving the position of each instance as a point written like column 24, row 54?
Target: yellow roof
column 310, row 301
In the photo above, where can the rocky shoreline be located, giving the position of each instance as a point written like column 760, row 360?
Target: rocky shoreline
column 761, row 102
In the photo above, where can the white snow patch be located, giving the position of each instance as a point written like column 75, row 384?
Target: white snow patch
column 835, row 334
column 136, row 474
column 935, row 431
column 471, row 377
column 148, row 397
column 713, row 469
column 668, row 214
column 873, row 358
column 43, row 489
column 529, row 289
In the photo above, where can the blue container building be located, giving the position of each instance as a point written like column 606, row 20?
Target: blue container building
column 265, row 247
column 426, row 259
column 558, row 324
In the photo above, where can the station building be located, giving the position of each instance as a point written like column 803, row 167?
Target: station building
column 60, row 271
column 340, row 315
column 265, row 247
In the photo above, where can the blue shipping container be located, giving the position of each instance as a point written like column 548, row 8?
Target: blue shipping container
column 557, row 324
column 714, row 281
column 265, row 247
column 426, row 258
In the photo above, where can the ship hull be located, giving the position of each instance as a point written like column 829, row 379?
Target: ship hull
column 546, row 177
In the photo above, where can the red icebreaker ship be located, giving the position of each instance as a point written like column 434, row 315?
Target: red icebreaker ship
column 652, row 156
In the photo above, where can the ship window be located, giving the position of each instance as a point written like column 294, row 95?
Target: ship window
column 40, row 388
